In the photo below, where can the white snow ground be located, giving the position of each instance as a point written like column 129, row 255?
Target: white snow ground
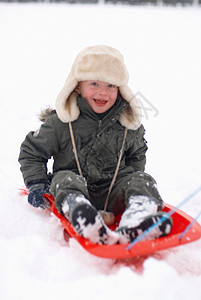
column 162, row 49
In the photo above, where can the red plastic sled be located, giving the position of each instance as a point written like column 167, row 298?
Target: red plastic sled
column 180, row 222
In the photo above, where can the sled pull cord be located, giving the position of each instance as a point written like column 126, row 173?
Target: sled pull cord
column 189, row 226
column 170, row 213
column 75, row 149
column 117, row 169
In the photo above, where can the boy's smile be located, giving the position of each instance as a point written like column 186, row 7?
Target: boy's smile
column 100, row 95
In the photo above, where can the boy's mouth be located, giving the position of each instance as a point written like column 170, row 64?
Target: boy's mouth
column 100, row 102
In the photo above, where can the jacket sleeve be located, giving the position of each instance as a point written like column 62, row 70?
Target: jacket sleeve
column 35, row 151
column 136, row 154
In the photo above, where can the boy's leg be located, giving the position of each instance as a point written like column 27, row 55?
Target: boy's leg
column 134, row 183
column 130, row 185
column 67, row 182
column 142, row 199
column 142, row 203
column 71, row 199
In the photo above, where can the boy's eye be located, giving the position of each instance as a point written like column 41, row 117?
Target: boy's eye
column 111, row 85
column 94, row 83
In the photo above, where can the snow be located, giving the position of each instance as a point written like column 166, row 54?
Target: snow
column 162, row 49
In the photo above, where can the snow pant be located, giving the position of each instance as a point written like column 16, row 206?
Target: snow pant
column 131, row 184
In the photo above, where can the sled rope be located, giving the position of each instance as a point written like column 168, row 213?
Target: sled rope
column 189, row 197
column 170, row 213
column 189, row 226
column 117, row 169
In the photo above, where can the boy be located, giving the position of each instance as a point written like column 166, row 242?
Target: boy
column 98, row 145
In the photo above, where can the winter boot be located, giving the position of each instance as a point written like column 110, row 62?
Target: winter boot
column 87, row 221
column 137, row 209
column 163, row 228
column 141, row 213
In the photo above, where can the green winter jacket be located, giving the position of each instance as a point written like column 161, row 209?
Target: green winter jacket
column 98, row 142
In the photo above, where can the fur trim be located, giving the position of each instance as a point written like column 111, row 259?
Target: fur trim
column 101, row 63
column 45, row 113
column 68, row 111
column 131, row 117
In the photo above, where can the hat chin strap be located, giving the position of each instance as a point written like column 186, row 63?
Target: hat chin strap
column 108, row 217
column 75, row 149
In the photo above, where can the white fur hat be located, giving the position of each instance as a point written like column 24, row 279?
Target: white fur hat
column 101, row 63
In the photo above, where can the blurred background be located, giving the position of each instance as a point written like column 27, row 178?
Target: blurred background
column 131, row 2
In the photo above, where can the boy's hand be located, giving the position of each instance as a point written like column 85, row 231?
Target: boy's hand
column 36, row 191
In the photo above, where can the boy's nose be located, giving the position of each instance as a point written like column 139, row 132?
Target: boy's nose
column 103, row 91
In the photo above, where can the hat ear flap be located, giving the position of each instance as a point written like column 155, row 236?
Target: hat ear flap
column 66, row 106
column 132, row 115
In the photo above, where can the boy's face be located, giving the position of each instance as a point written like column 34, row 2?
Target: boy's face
column 100, row 95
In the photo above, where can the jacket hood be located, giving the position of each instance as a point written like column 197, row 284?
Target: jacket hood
column 101, row 63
